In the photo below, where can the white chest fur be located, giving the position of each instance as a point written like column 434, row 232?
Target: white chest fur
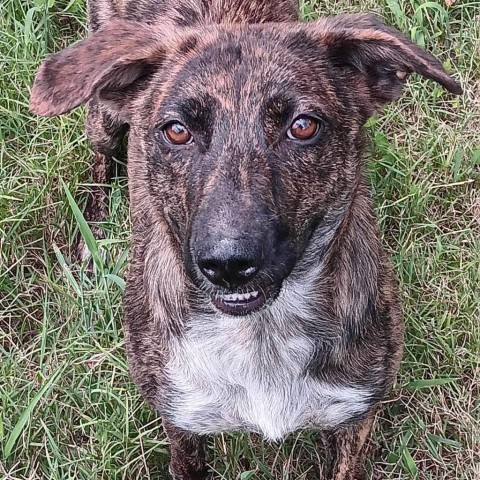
column 249, row 373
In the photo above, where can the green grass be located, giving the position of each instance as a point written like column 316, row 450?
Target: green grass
column 68, row 409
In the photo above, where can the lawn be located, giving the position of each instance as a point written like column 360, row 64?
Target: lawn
column 68, row 409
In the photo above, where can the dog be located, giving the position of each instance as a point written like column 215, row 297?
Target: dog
column 259, row 297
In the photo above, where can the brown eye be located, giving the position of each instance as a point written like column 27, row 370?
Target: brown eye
column 177, row 134
column 303, row 128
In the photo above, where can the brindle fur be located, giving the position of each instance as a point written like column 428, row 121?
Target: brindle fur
column 105, row 129
column 238, row 88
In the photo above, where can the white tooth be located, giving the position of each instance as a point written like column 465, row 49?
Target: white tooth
column 230, row 297
column 235, row 297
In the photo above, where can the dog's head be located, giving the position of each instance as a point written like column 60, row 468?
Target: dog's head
column 249, row 136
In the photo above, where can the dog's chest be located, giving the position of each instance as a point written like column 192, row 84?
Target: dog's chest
column 243, row 375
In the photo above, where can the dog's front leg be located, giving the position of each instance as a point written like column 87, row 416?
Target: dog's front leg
column 188, row 454
column 345, row 451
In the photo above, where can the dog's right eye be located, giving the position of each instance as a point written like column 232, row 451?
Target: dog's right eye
column 177, row 134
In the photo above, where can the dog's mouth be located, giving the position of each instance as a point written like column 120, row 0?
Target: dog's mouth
column 243, row 303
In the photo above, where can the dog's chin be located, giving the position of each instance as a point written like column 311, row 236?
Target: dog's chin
column 245, row 303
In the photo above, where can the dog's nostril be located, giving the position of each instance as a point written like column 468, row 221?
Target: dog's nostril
column 245, row 269
column 229, row 272
column 210, row 269
column 213, row 270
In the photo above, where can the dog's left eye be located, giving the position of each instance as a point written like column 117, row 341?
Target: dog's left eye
column 177, row 134
column 304, row 127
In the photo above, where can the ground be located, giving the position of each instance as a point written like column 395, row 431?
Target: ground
column 68, row 409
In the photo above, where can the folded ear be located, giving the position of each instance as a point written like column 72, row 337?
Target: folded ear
column 111, row 59
column 381, row 54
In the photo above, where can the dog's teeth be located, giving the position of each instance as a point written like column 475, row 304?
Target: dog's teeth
column 231, row 297
column 239, row 297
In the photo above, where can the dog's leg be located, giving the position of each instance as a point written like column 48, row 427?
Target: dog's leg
column 345, row 451
column 188, row 454
column 105, row 133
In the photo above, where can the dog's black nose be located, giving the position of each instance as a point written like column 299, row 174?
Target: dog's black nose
column 229, row 272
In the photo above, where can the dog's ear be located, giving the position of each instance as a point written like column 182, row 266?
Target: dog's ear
column 110, row 60
column 384, row 57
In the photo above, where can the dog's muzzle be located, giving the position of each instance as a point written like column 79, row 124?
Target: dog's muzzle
column 235, row 279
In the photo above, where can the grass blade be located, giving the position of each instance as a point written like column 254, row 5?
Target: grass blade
column 85, row 230
column 434, row 382
column 410, row 463
column 67, row 272
column 117, row 280
column 444, row 441
column 25, row 416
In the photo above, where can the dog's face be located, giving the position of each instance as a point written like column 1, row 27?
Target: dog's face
column 251, row 134
column 238, row 130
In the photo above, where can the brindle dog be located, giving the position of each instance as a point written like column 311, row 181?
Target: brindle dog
column 259, row 295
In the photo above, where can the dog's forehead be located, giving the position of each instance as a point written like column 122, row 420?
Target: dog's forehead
column 242, row 69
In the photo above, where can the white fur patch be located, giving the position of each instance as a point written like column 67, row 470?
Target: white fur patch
column 249, row 373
